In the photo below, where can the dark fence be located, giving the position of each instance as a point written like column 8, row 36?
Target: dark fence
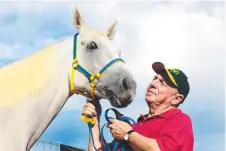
column 42, row 145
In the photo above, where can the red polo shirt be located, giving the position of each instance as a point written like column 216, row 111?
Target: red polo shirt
column 172, row 130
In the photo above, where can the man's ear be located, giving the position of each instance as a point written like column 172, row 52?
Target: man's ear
column 179, row 98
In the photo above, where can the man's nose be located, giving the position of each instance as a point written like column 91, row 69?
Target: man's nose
column 154, row 84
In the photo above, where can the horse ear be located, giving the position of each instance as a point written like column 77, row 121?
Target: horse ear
column 77, row 19
column 111, row 31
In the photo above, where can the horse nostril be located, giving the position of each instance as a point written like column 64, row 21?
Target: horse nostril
column 125, row 83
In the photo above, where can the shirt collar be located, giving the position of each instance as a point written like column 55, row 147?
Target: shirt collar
column 170, row 113
column 166, row 114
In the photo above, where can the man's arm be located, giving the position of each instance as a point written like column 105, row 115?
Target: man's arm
column 141, row 143
column 177, row 137
column 136, row 141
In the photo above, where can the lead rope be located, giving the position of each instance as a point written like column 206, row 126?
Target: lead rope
column 90, row 122
column 120, row 117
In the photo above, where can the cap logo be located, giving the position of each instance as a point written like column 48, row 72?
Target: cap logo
column 175, row 71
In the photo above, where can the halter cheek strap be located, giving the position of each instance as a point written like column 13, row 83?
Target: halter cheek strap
column 93, row 78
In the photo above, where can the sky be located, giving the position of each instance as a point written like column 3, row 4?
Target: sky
column 189, row 35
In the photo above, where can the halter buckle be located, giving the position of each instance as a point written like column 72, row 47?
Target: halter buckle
column 75, row 65
column 75, row 61
column 94, row 79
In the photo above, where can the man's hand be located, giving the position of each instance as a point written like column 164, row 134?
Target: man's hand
column 90, row 109
column 118, row 128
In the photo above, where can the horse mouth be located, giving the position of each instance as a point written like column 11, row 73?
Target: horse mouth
column 111, row 96
column 113, row 99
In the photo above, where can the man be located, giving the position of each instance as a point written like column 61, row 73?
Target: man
column 165, row 127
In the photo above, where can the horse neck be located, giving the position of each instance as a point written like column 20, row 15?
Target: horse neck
column 40, row 89
column 59, row 92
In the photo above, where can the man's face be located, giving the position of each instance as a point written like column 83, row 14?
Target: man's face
column 159, row 92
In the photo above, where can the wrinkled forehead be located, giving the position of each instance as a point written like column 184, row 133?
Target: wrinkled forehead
column 166, row 78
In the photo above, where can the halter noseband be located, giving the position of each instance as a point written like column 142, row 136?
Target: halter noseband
column 93, row 78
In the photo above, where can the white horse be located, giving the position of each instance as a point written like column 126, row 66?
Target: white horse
column 34, row 89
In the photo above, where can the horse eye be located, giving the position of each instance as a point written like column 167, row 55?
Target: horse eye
column 92, row 45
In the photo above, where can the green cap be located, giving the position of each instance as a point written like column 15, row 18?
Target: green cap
column 174, row 77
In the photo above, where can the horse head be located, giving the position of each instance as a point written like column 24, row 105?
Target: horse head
column 99, row 59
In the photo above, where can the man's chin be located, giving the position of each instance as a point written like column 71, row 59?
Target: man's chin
column 150, row 99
